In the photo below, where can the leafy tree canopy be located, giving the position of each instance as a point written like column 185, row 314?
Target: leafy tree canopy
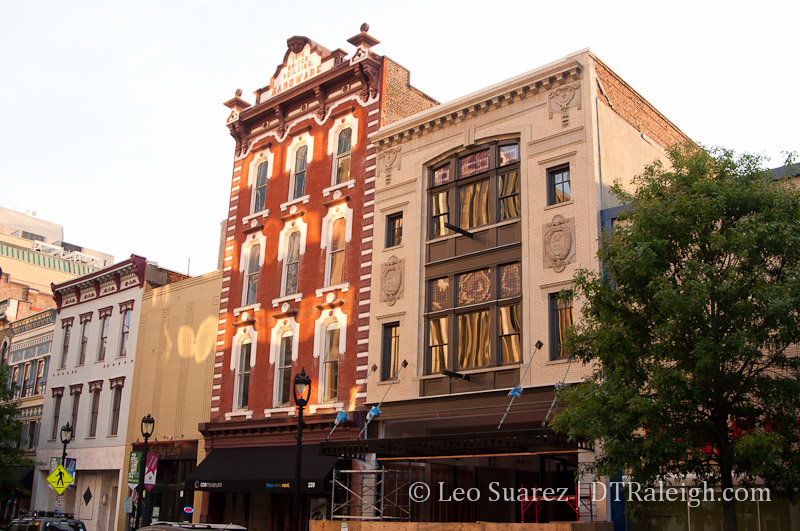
column 692, row 328
column 10, row 429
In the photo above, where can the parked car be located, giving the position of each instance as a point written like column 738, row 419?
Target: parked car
column 178, row 526
column 42, row 521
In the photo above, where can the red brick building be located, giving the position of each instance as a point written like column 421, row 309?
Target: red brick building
column 296, row 282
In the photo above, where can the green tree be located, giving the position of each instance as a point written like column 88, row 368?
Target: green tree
column 691, row 326
column 10, row 455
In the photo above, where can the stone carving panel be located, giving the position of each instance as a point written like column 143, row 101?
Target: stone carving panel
column 389, row 161
column 392, row 277
column 562, row 99
column 558, row 238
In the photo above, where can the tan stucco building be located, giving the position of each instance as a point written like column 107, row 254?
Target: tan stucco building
column 173, row 374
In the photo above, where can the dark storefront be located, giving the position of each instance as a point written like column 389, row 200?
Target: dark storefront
column 169, row 497
column 255, row 486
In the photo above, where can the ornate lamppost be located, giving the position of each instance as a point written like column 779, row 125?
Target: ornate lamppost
column 302, row 390
column 148, row 424
column 66, row 438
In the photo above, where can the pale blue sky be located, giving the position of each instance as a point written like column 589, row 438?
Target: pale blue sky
column 112, row 124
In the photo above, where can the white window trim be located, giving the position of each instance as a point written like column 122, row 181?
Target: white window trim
column 321, row 328
column 262, row 156
column 313, row 408
column 240, row 309
column 291, row 410
column 347, row 184
column 321, row 324
column 339, row 211
column 336, row 287
column 284, row 325
column 241, row 334
column 244, row 258
column 296, row 297
column 254, row 215
column 295, row 225
column 287, row 323
column 304, row 199
column 333, row 143
column 306, row 139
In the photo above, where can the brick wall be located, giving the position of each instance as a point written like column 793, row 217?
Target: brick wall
column 401, row 99
column 635, row 110
column 32, row 300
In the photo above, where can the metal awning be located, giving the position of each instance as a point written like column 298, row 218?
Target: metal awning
column 264, row 469
column 519, row 442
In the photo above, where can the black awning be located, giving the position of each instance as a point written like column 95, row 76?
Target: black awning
column 264, row 469
column 531, row 441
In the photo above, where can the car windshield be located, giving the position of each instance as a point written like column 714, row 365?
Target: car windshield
column 65, row 526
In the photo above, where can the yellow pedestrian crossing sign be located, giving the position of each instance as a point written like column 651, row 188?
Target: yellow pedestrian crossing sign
column 59, row 479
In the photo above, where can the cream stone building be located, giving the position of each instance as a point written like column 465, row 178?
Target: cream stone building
column 484, row 209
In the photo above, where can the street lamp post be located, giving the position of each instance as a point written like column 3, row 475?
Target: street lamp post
column 148, row 423
column 302, row 390
column 66, row 438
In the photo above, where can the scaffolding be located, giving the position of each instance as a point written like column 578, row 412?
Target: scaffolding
column 580, row 501
column 379, row 494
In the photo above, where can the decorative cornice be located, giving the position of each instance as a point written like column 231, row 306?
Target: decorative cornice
column 494, row 97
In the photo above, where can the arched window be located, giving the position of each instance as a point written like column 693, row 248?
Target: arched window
column 330, row 365
column 292, row 263
column 3, row 351
column 283, row 370
column 243, row 375
column 260, row 190
column 251, row 277
column 298, row 186
column 336, row 252
column 342, row 171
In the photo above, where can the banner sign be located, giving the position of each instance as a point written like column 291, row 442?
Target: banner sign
column 134, row 469
column 151, row 467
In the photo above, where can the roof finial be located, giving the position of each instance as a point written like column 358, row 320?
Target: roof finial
column 364, row 27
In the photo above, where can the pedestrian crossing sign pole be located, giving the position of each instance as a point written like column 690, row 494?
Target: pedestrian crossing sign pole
column 59, row 479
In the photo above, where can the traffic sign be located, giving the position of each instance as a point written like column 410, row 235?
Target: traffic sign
column 59, row 479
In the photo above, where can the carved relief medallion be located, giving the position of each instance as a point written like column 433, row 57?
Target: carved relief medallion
column 559, row 238
column 392, row 273
column 562, row 99
column 389, row 161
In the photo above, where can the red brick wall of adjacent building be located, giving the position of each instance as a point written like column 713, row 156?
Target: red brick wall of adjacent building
column 635, row 110
column 400, row 98
column 31, row 300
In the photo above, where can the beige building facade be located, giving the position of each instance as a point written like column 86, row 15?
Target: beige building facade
column 485, row 207
column 173, row 373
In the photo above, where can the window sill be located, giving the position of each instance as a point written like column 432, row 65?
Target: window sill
column 336, row 287
column 289, row 409
column 305, row 199
column 393, row 247
column 556, row 205
column 493, row 368
column 313, row 408
column 557, row 361
column 347, row 184
column 240, row 309
column 296, row 297
column 475, row 230
column 263, row 214
column 246, row 413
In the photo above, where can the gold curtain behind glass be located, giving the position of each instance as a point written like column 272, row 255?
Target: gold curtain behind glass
column 473, row 340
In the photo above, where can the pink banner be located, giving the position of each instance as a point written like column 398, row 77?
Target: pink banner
column 150, row 469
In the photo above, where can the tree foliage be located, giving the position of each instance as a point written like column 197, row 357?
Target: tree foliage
column 692, row 326
column 11, row 456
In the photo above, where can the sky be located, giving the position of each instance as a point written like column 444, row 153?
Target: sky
column 112, row 123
